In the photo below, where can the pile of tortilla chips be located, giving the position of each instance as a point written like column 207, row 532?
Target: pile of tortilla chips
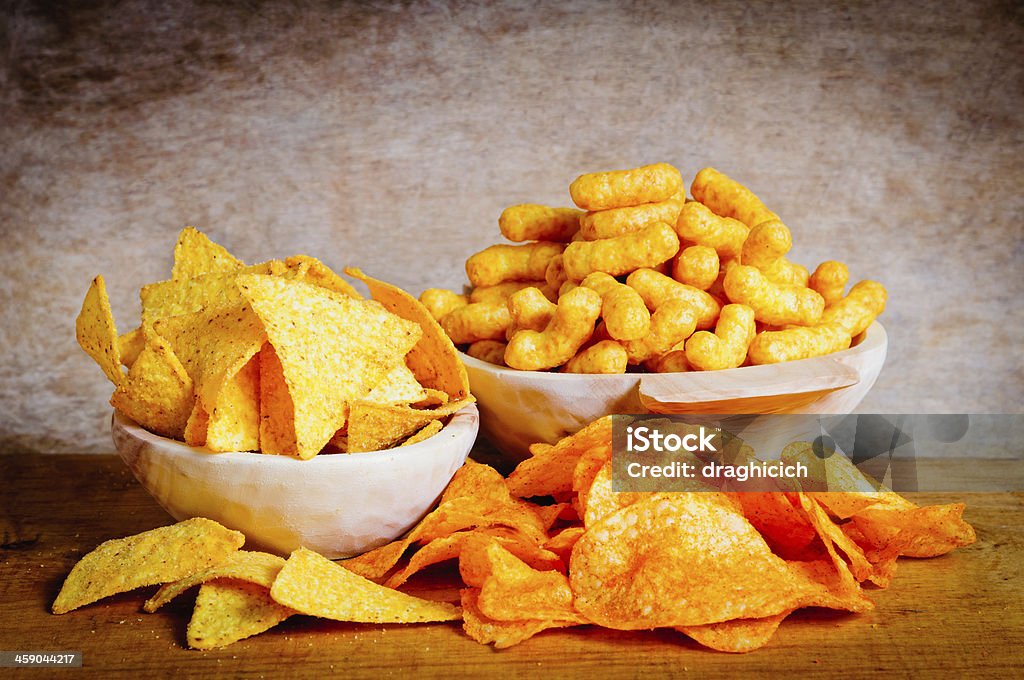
column 723, row 568
column 282, row 357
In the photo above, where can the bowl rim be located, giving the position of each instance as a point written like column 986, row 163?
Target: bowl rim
column 873, row 338
column 466, row 419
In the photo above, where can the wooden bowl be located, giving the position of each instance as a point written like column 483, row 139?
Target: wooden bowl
column 518, row 408
column 338, row 504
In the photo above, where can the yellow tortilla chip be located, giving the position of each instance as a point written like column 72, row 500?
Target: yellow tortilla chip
column 227, row 611
column 195, row 255
column 130, row 344
column 373, row 427
column 176, row 297
column 158, row 392
column 195, row 428
column 234, row 423
column 152, row 557
column 245, row 565
column 332, row 350
column 277, row 412
column 433, row 398
column 312, row 270
column 428, row 431
column 213, row 345
column 434, row 360
column 96, row 332
column 312, row 584
column 398, row 387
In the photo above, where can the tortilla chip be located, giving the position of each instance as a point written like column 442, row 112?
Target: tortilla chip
column 195, row 255
column 428, row 431
column 434, row 360
column 234, row 423
column 277, row 412
column 158, row 392
column 398, row 387
column 332, row 350
column 228, row 611
column 374, row 427
column 312, row 270
column 130, row 344
column 174, row 298
column 96, row 331
column 312, row 584
column 432, row 399
column 156, row 556
column 195, row 428
column 244, row 565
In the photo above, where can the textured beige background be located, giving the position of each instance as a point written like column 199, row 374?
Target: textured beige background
column 390, row 136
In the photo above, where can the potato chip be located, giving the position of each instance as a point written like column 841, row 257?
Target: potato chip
column 244, row 565
column 195, row 254
column 425, row 433
column 502, row 634
column 130, row 344
column 477, row 480
column 332, row 350
column 788, row 531
column 234, row 423
column 679, row 559
column 158, row 392
column 379, row 561
column 398, row 387
column 373, row 427
column 434, row 360
column 563, row 542
column 834, row 538
column 156, row 556
column 550, row 471
column 313, row 585
column 915, row 532
column 227, row 611
column 96, row 331
column 312, row 270
column 176, row 297
column 738, row 635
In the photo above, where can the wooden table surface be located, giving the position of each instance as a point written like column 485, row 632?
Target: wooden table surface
column 942, row 617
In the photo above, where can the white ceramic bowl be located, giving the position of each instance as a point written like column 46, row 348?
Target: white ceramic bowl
column 518, row 408
column 338, row 505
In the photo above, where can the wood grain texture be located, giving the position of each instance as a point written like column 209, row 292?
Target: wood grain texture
column 390, row 136
column 954, row 615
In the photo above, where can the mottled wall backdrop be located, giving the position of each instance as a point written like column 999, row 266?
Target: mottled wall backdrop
column 391, row 135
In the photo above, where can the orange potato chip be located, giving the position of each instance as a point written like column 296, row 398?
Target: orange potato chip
column 195, row 254
column 501, row 634
column 156, row 556
column 228, row 611
column 563, row 542
column 916, row 532
column 379, row 561
column 834, row 538
column 434, row 360
column 425, row 433
column 158, row 392
column 130, row 344
column 96, row 331
column 372, row 427
column 738, row 635
column 312, row 270
column 234, row 423
column 550, row 471
column 477, row 480
column 312, row 584
column 788, row 531
column 244, row 565
column 332, row 350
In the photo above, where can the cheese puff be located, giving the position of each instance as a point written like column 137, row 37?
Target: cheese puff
column 529, row 309
column 572, row 325
column 656, row 289
column 619, row 221
column 727, row 346
column 439, row 301
column 555, row 275
column 729, row 198
column 777, row 304
column 531, row 222
column 477, row 321
column 501, row 292
column 698, row 224
column 491, row 351
column 725, row 264
column 856, row 311
column 671, row 323
column 623, row 310
column 830, row 279
column 672, row 361
column 622, row 188
column 500, row 263
column 766, row 247
column 605, row 357
column 772, row 347
column 647, row 247
column 696, row 266
column 566, row 287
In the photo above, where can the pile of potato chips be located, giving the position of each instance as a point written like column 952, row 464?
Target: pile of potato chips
column 283, row 357
column 554, row 546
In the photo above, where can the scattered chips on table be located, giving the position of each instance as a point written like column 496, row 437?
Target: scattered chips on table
column 272, row 357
